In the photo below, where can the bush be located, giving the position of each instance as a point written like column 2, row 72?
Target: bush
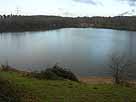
column 119, row 66
column 8, row 92
column 55, row 73
column 5, row 67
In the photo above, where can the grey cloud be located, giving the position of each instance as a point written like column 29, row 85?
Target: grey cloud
column 131, row 2
column 96, row 2
column 93, row 2
column 131, row 12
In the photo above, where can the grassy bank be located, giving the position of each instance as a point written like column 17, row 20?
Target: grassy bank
column 34, row 90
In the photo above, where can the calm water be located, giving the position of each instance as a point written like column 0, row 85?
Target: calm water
column 86, row 51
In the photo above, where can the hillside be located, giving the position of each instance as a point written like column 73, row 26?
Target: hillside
column 33, row 90
column 14, row 23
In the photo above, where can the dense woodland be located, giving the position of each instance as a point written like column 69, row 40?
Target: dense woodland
column 16, row 23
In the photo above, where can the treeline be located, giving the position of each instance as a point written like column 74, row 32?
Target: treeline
column 118, row 22
column 14, row 23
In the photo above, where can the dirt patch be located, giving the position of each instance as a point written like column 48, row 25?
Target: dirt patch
column 96, row 80
column 104, row 80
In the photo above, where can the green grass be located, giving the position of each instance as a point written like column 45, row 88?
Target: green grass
column 68, row 91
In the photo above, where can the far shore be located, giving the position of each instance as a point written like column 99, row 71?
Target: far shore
column 43, row 30
column 18, row 23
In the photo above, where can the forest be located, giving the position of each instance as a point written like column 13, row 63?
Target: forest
column 18, row 23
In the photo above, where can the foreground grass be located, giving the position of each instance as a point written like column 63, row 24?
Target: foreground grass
column 67, row 91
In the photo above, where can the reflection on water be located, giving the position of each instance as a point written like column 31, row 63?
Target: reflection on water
column 85, row 51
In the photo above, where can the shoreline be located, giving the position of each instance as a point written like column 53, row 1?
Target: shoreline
column 40, row 30
column 101, row 80
column 15, row 23
column 96, row 80
column 87, row 80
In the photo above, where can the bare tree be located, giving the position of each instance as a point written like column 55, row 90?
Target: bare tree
column 119, row 68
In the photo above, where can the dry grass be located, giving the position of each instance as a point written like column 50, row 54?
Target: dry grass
column 96, row 80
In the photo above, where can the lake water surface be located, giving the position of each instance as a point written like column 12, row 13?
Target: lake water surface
column 85, row 51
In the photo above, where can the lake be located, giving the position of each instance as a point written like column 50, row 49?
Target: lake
column 85, row 51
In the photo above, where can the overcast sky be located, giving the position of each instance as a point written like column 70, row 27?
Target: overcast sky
column 67, row 7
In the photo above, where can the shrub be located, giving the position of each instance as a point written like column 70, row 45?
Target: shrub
column 119, row 66
column 55, row 73
column 5, row 67
column 8, row 92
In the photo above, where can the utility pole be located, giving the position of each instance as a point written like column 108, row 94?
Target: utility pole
column 17, row 11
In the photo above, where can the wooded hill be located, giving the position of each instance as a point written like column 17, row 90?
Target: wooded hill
column 14, row 23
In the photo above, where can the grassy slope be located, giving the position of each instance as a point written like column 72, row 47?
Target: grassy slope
column 68, row 91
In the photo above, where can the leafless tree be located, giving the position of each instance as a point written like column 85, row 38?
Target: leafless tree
column 119, row 66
